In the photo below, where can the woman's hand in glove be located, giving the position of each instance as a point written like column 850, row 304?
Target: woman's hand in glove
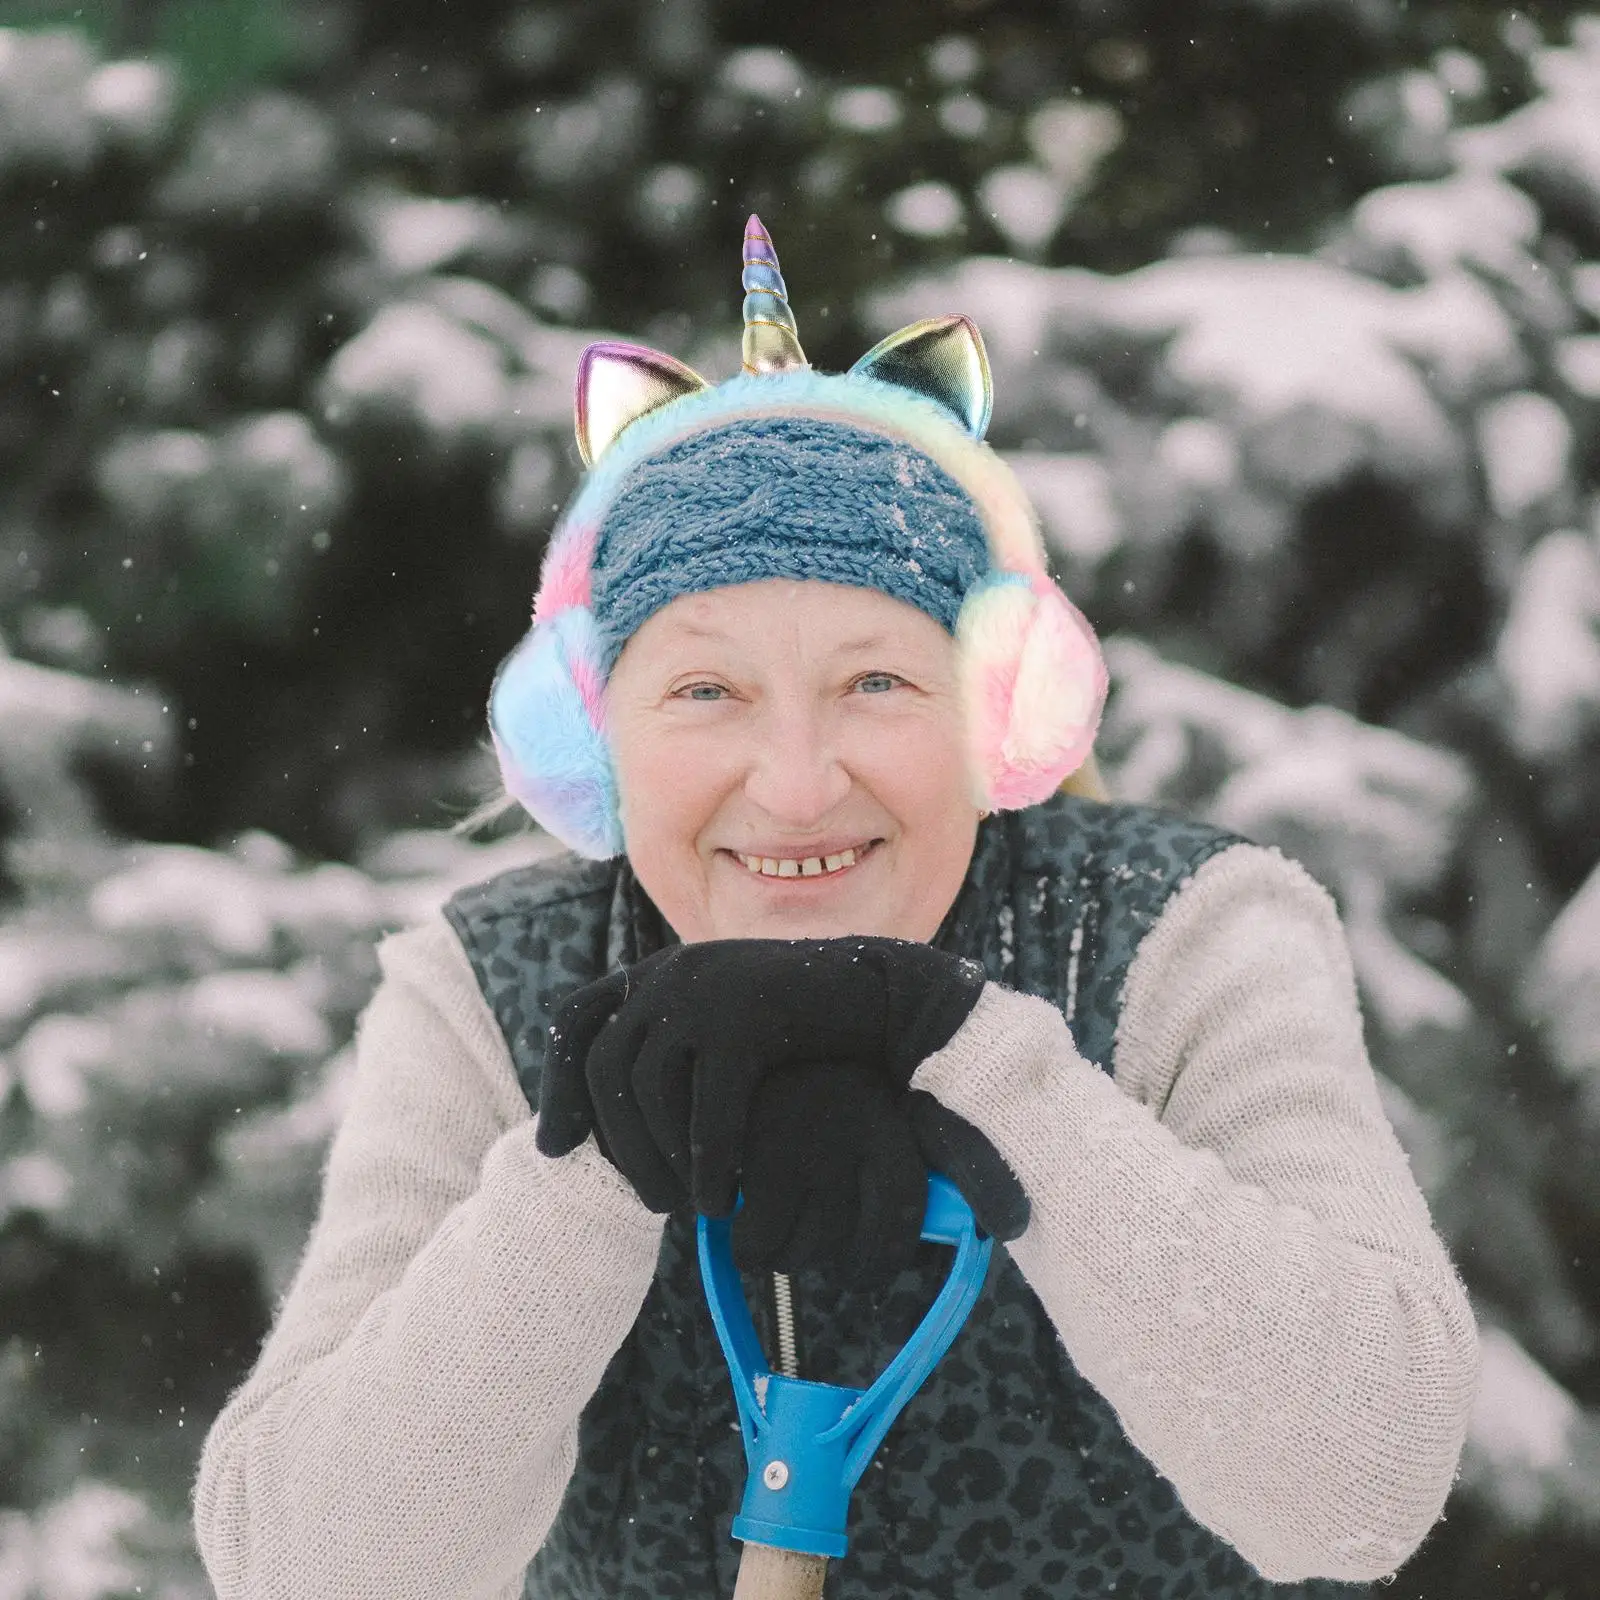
column 662, row 1061
column 832, row 1176
column 834, row 1164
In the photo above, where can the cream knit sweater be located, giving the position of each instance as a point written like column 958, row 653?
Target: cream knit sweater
column 1227, row 1236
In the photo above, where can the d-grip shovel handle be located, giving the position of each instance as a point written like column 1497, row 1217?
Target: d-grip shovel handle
column 806, row 1444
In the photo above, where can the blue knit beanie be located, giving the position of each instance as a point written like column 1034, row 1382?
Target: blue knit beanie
column 784, row 497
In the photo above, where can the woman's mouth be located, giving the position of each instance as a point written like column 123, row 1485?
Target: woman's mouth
column 814, row 868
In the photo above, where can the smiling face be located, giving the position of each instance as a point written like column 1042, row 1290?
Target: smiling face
column 791, row 763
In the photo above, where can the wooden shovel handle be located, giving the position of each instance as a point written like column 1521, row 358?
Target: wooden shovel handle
column 768, row 1573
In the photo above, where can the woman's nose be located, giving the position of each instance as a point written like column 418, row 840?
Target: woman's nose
column 795, row 774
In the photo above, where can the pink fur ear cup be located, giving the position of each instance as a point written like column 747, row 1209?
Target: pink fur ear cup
column 546, row 716
column 1034, row 683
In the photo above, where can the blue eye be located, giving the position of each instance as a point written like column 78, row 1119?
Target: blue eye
column 712, row 691
column 885, row 680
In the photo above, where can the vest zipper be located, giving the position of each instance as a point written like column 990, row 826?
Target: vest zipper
column 783, row 1320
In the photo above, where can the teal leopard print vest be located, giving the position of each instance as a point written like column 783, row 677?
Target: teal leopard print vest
column 1007, row 1474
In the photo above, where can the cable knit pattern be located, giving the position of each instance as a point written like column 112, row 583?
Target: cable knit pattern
column 1228, row 1236
column 410, row 1426
column 784, row 497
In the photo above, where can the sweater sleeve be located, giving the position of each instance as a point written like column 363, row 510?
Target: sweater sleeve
column 411, row 1423
column 1228, row 1236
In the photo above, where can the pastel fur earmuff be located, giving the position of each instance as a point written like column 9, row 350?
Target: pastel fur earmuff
column 1032, row 674
column 1033, row 682
column 547, row 719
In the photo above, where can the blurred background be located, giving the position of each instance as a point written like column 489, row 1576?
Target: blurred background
column 1294, row 313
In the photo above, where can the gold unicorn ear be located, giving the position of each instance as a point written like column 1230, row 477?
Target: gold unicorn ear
column 942, row 358
column 617, row 384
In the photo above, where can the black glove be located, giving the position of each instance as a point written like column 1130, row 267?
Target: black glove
column 831, row 1175
column 663, row 1060
column 953, row 1147
column 835, row 1172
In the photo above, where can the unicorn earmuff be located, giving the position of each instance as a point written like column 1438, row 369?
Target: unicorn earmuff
column 1032, row 675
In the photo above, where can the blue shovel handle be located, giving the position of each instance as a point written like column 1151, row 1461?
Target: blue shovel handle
column 806, row 1444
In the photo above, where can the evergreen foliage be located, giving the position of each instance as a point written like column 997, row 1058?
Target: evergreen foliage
column 1294, row 310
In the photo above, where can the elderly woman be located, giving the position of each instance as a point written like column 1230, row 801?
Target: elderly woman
column 800, row 697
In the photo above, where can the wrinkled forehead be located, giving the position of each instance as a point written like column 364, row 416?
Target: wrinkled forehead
column 791, row 621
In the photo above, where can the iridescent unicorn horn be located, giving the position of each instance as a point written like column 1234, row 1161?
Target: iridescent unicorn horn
column 770, row 341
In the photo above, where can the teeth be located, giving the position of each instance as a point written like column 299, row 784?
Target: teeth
column 810, row 867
